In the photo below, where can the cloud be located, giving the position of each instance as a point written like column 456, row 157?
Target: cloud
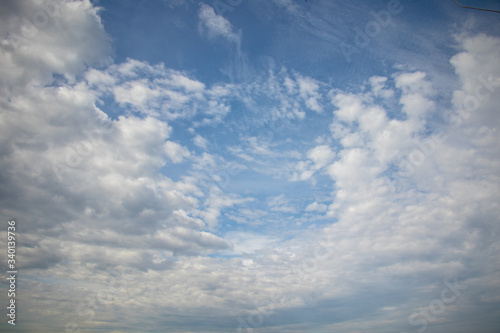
column 247, row 242
column 160, row 92
column 179, row 3
column 378, row 84
column 321, row 156
column 316, row 207
column 215, row 25
column 32, row 54
column 309, row 92
column 200, row 141
column 96, row 173
column 249, row 216
column 318, row 157
column 112, row 232
column 281, row 204
column 176, row 152
column 216, row 201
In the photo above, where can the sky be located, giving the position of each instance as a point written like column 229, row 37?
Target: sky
column 251, row 166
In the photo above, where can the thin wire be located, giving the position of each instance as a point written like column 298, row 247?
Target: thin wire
column 486, row 10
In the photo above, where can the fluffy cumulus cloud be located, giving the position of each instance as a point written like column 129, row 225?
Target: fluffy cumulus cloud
column 32, row 53
column 148, row 199
column 160, row 92
column 99, row 177
column 318, row 158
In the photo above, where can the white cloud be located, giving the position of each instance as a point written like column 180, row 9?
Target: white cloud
column 30, row 53
column 156, row 91
column 415, row 94
column 249, row 216
column 215, row 203
column 318, row 157
column 350, row 107
column 321, row 156
column 215, row 25
column 135, row 93
column 176, row 152
column 200, row 141
column 316, row 207
column 378, row 84
column 90, row 195
column 309, row 92
column 280, row 204
column 101, row 174
column 248, row 242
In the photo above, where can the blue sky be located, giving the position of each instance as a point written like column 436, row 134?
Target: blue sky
column 252, row 166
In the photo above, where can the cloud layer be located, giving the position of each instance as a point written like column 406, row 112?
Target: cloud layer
column 149, row 200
